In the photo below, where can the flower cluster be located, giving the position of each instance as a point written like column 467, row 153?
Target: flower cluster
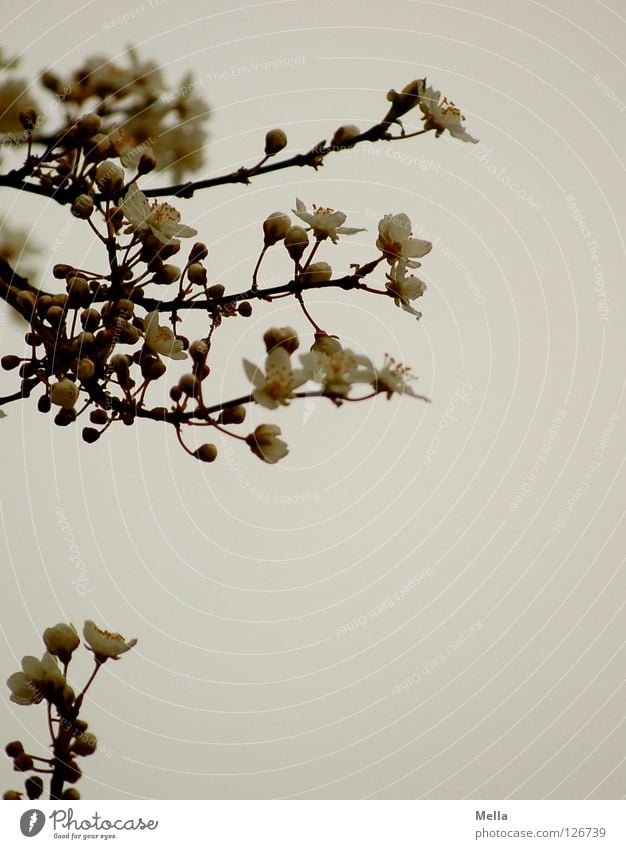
column 46, row 681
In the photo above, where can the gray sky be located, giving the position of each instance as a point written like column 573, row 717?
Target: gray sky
column 470, row 542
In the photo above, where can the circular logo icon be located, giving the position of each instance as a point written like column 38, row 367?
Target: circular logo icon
column 31, row 822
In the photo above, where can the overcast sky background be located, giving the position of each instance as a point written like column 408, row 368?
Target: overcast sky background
column 239, row 578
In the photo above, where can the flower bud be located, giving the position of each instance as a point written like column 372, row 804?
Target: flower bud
column 89, row 124
column 71, row 794
column 11, row 795
column 215, row 291
column 190, row 385
column 65, row 417
column 199, row 351
column 275, row 141
column 198, row 252
column 64, row 393
column 153, row 369
column 23, row 763
column 34, row 786
column 146, row 164
column 325, row 344
column 275, row 227
column 14, row 748
column 109, row 178
column 317, row 272
column 166, row 274
column 54, row 315
column 345, row 134
column 99, row 417
column 61, row 640
column 284, row 337
column 176, row 393
column 82, row 206
column 86, row 369
column 25, row 302
column 85, row 744
column 207, row 452
column 296, row 241
column 197, row 274
column 245, row 309
column 43, row 404
column 61, row 270
column 406, row 100
column 10, row 361
column 233, row 415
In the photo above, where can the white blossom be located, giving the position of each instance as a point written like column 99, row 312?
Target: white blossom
column 396, row 242
column 264, row 443
column 338, row 371
column 160, row 339
column 325, row 223
column 405, row 289
column 276, row 386
column 160, row 219
column 440, row 115
column 105, row 644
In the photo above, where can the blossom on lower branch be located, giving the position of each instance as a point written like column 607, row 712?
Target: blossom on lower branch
column 276, row 386
column 264, row 443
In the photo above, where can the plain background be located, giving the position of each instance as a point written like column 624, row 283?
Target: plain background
column 239, row 579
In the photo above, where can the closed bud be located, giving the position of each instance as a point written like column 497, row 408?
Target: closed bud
column 115, row 217
column 89, row 124
column 61, row 640
column 43, row 404
column 190, row 385
column 61, row 270
column 85, row 744
column 11, row 795
column 153, row 369
column 65, row 417
column 10, row 362
column 344, row 135
column 275, row 141
column 90, row 435
column 406, row 100
column 64, row 393
column 109, row 178
column 54, row 315
column 32, row 338
column 26, row 302
column 167, row 274
column 216, row 291
column 99, row 417
column 198, row 252
column 176, row 393
column 146, row 164
column 71, row 794
column 34, row 786
column 296, row 242
column 245, row 309
column 233, row 415
column 82, row 206
column 14, row 748
column 325, row 344
column 283, row 337
column 197, row 274
column 276, row 227
column 86, row 369
column 199, row 351
column 23, row 763
column 317, row 272
column 207, row 452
